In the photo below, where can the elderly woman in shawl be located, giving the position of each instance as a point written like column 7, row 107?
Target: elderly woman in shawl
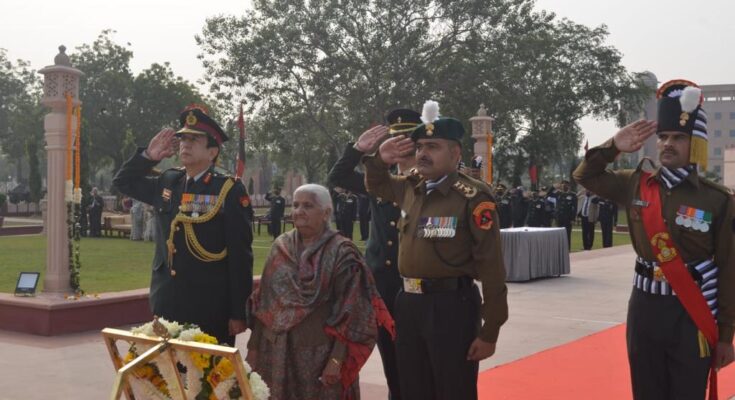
column 315, row 315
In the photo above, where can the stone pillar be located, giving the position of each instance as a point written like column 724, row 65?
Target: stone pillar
column 59, row 79
column 482, row 128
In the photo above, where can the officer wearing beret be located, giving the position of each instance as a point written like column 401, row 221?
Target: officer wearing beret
column 202, row 267
column 681, row 314
column 381, row 252
column 449, row 237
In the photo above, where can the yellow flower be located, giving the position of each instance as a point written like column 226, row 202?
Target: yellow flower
column 220, row 372
column 129, row 357
column 204, row 338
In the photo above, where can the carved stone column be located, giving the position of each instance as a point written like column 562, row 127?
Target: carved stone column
column 482, row 127
column 59, row 79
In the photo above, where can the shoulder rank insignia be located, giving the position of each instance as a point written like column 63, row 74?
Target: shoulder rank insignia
column 483, row 215
column 166, row 194
column 245, row 201
column 207, row 178
column 467, row 190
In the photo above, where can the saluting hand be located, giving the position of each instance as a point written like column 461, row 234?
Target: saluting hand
column 397, row 149
column 631, row 137
column 162, row 145
column 368, row 141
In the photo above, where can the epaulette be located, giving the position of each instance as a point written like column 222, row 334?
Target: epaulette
column 465, row 188
column 714, row 185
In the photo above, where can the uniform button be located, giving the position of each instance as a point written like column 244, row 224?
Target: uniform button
column 178, row 229
column 395, row 204
column 392, row 223
column 390, row 243
column 174, row 251
column 388, row 263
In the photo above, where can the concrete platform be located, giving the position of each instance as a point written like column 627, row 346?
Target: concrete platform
column 52, row 314
column 543, row 313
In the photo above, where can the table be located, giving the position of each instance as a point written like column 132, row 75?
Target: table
column 531, row 253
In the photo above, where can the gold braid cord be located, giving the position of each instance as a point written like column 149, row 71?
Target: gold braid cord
column 192, row 243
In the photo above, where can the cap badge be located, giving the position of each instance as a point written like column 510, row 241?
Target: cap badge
column 191, row 119
column 429, row 129
column 683, row 118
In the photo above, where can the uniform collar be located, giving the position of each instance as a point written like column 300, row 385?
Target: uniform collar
column 445, row 183
column 692, row 178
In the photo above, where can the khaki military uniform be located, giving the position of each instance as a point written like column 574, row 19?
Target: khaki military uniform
column 451, row 232
column 653, row 311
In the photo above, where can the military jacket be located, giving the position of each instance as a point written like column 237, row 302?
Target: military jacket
column 450, row 232
column 694, row 245
column 206, row 293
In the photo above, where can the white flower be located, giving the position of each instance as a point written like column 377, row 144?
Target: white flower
column 260, row 390
column 188, row 335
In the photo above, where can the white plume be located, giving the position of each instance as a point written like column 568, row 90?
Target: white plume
column 430, row 112
column 690, row 98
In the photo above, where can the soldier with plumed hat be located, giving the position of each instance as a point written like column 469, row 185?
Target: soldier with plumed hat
column 449, row 237
column 381, row 252
column 681, row 313
column 202, row 267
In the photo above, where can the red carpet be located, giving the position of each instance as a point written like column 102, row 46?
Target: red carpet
column 593, row 367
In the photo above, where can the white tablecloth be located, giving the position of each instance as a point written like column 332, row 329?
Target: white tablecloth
column 531, row 253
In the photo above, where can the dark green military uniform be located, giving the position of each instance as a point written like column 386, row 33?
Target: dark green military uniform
column 566, row 212
column 278, row 208
column 449, row 236
column 608, row 218
column 505, row 209
column 209, row 276
column 667, row 358
column 536, row 211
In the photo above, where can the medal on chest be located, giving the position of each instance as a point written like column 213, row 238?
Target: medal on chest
column 692, row 218
column 197, row 204
column 437, row 227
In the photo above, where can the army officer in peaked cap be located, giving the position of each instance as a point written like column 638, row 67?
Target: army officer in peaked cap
column 202, row 267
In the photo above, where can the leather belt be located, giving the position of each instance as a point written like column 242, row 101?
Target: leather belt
column 435, row 285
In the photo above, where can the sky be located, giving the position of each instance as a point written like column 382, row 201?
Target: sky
column 671, row 38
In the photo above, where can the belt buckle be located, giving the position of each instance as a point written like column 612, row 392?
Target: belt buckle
column 412, row 285
column 658, row 274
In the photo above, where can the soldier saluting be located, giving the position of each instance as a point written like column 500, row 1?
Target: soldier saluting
column 202, row 268
column 681, row 313
column 449, row 236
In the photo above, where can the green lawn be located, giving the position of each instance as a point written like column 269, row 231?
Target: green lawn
column 115, row 264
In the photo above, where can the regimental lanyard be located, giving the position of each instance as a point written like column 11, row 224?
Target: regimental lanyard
column 437, row 227
column 197, row 204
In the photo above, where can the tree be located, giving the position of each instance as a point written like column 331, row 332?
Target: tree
column 21, row 114
column 319, row 72
column 122, row 110
column 34, row 175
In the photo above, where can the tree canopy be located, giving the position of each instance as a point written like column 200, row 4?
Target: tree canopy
column 316, row 73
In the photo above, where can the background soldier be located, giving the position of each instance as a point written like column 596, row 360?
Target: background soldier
column 536, row 210
column 608, row 219
column 381, row 252
column 505, row 210
column 519, row 206
column 449, row 236
column 203, row 264
column 96, row 205
column 681, row 313
column 346, row 213
column 588, row 205
column 566, row 209
column 276, row 212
